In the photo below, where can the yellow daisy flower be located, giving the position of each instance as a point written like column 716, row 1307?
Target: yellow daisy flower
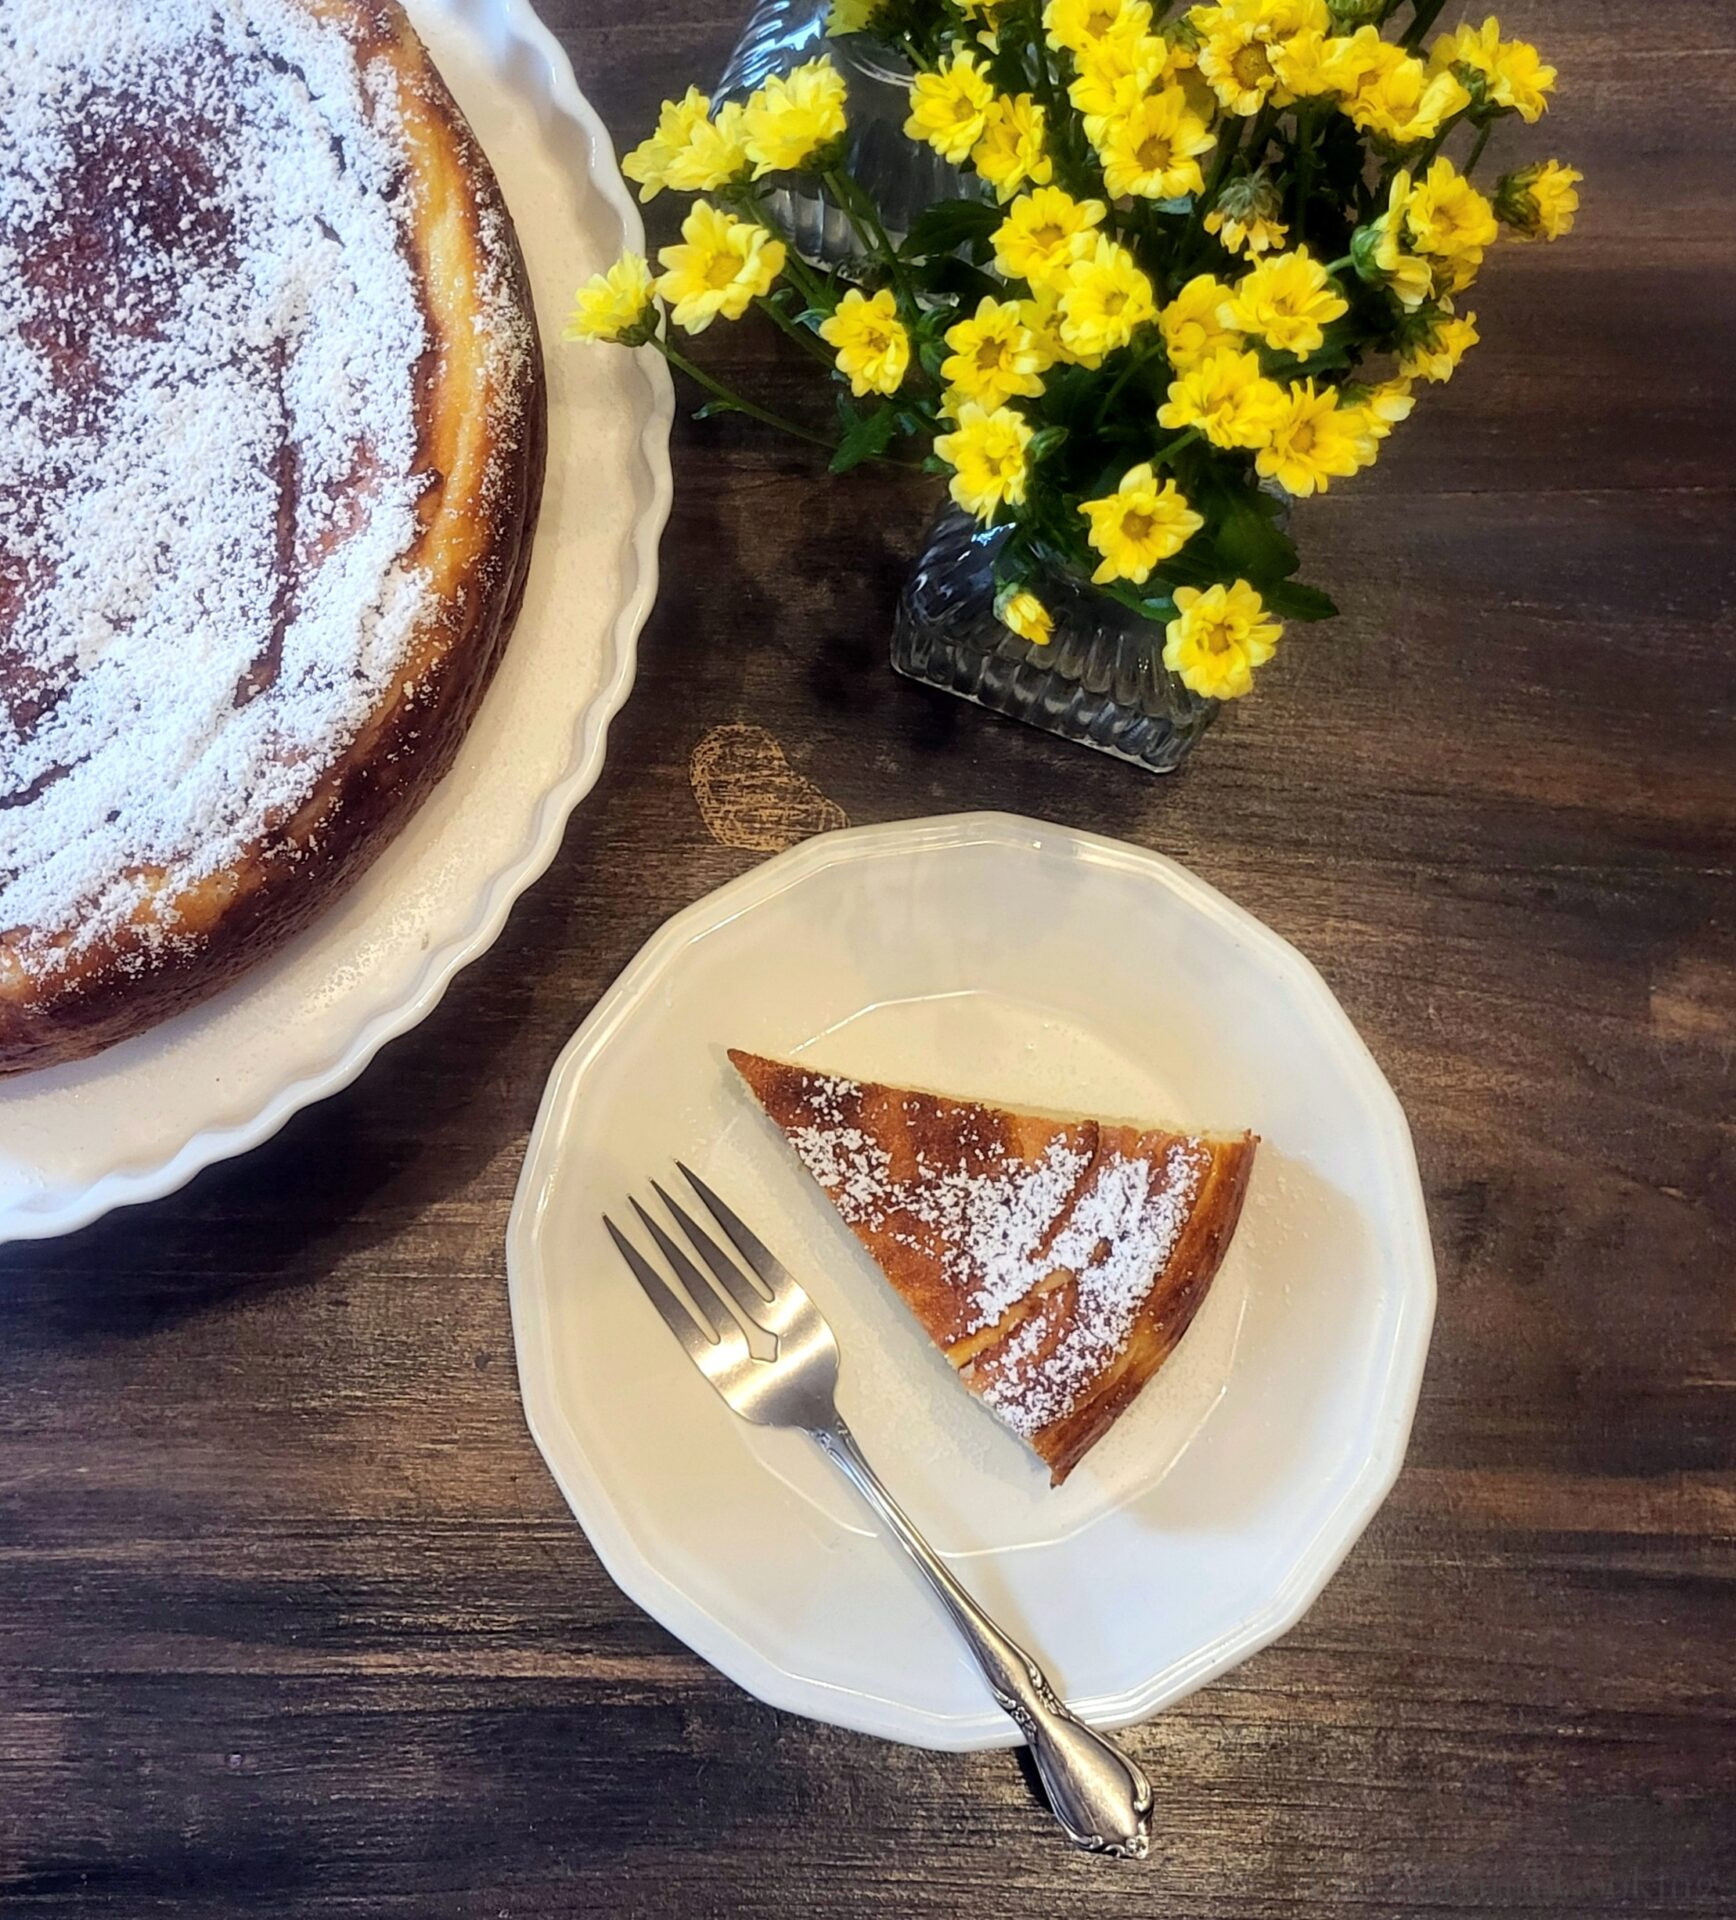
column 1194, row 84
column 1138, row 525
column 1449, row 220
column 1345, row 61
column 648, row 163
column 1114, row 75
column 1280, row 18
column 1011, row 153
column 1401, row 102
column 1020, row 611
column 1539, row 202
column 721, row 267
column 1152, row 151
column 1376, row 411
column 1218, row 638
column 1304, row 64
column 715, row 153
column 1520, row 80
column 871, row 343
column 1313, row 441
column 986, row 452
column 1044, row 233
column 1246, row 217
column 995, row 357
column 949, row 107
column 1105, row 298
column 1239, row 44
column 1074, row 26
column 1288, row 301
column 1251, row 234
column 1042, row 318
column 1389, row 404
column 1192, row 324
column 1237, row 61
column 1432, row 347
column 1510, row 73
column 794, row 117
column 1380, row 255
column 1227, row 398
column 615, row 305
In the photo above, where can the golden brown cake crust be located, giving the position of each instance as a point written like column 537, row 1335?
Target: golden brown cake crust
column 916, row 1175
column 481, row 433
column 1168, row 1312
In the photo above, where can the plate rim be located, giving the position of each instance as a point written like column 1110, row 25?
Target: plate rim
column 50, row 1215
column 1399, row 1379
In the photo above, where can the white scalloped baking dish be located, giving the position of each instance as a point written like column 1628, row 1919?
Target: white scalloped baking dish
column 141, row 1119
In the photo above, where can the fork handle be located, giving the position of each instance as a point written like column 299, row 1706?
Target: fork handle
column 1099, row 1795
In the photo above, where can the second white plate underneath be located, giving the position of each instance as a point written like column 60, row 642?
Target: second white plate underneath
column 1029, row 965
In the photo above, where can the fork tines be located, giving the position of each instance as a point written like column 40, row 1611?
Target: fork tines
column 702, row 1322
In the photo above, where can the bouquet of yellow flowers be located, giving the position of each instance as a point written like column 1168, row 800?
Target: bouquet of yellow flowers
column 1199, row 262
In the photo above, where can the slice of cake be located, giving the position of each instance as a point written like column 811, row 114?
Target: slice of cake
column 1055, row 1262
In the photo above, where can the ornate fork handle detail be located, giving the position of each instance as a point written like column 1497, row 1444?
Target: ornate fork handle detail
column 1099, row 1795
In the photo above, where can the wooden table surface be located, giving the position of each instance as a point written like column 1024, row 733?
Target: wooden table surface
column 292, row 1620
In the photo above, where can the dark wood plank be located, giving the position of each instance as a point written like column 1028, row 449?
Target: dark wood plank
column 291, row 1619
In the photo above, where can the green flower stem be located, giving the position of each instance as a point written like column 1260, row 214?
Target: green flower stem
column 816, row 289
column 1426, row 13
column 1185, row 438
column 864, row 217
column 1065, row 142
column 1476, row 153
column 1137, row 362
column 1307, row 149
column 1227, row 149
column 719, row 391
column 1264, row 121
column 1338, row 266
column 907, row 45
column 802, row 336
column 1425, row 158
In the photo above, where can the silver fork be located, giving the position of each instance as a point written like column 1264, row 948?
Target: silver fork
column 1097, row 1792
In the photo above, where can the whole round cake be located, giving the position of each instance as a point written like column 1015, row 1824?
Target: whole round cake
column 271, row 440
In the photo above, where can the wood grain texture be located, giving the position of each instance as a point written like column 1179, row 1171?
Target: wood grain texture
column 292, row 1622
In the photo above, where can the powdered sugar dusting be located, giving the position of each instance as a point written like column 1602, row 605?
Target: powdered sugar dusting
column 1116, row 1241
column 209, row 341
column 1007, row 1227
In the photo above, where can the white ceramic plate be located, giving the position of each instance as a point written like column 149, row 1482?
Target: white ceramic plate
column 1027, row 963
column 144, row 1117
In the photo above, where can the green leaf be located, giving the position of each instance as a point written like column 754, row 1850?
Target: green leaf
column 1247, row 543
column 1333, row 356
column 1044, row 443
column 950, row 278
column 1297, row 602
column 866, row 435
column 932, row 353
column 949, row 225
column 715, row 407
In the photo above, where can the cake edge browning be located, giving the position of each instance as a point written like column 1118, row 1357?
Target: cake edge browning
column 486, row 437
column 1177, row 1292
column 1168, row 1311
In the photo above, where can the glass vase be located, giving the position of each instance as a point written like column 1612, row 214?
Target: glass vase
column 1099, row 680
column 903, row 176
